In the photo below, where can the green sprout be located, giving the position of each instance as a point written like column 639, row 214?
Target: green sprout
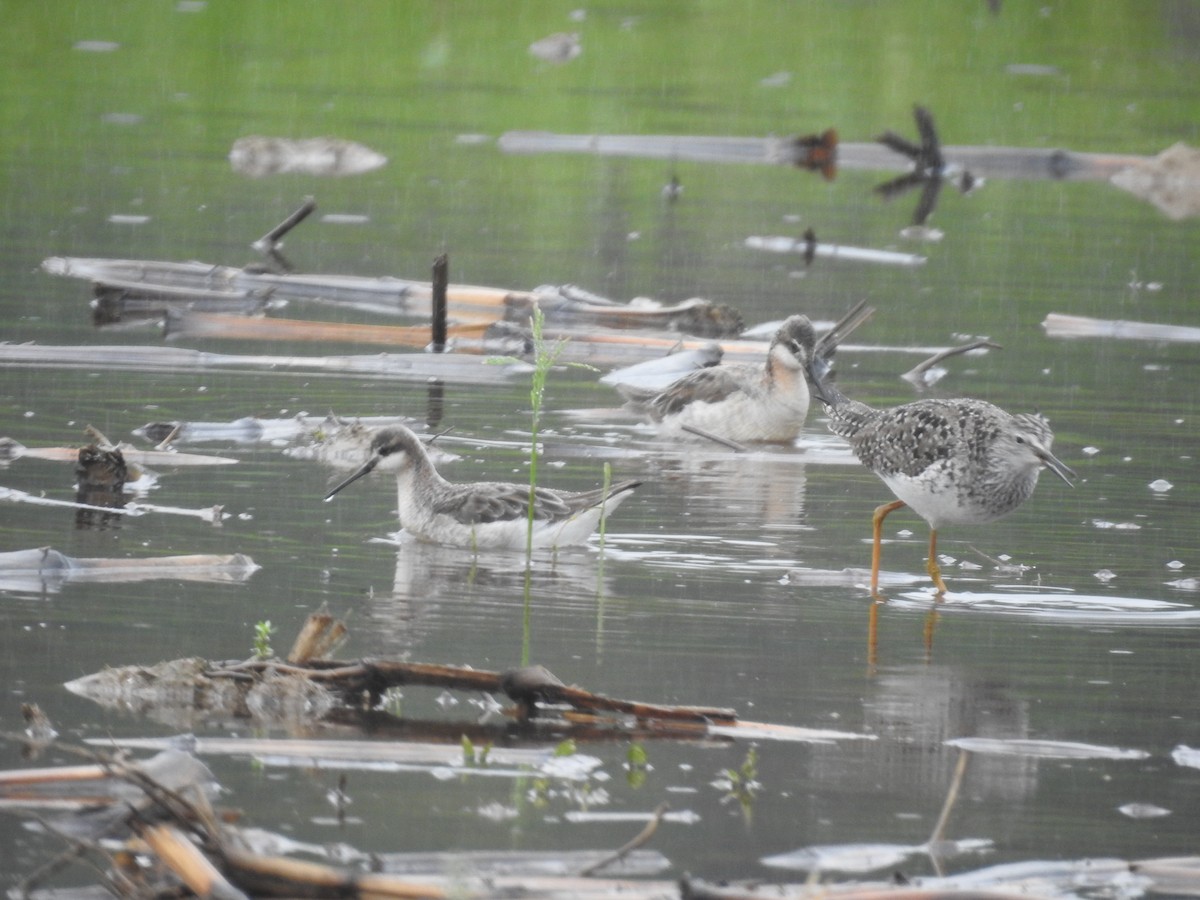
column 741, row 784
column 637, row 765
column 475, row 757
column 262, row 639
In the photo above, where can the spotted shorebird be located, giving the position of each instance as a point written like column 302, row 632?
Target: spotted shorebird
column 747, row 402
column 481, row 514
column 954, row 462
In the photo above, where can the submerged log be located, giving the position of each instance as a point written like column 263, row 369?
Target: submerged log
column 117, row 301
column 181, row 323
column 449, row 367
column 1063, row 326
column 129, row 287
column 11, row 450
column 309, row 690
column 47, row 564
column 258, row 156
column 992, row 162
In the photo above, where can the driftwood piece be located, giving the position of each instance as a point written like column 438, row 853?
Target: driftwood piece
column 258, row 156
column 843, row 252
column 214, row 515
column 320, row 635
column 11, row 450
column 992, row 162
column 165, row 801
column 45, row 564
column 923, row 373
column 275, row 876
column 181, row 323
column 449, row 367
column 1171, row 181
column 528, row 687
column 185, row 859
column 310, row 690
column 1060, row 325
column 272, row 240
column 128, row 288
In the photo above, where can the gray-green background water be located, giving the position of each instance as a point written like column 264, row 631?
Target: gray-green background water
column 693, row 603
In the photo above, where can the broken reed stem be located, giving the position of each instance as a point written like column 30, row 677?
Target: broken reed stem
column 440, row 284
column 603, row 506
column 543, row 359
column 271, row 239
column 716, row 438
column 917, row 372
column 960, row 770
column 639, row 839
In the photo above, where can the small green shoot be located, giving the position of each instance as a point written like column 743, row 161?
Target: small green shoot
column 392, row 701
column 637, row 765
column 741, row 784
column 475, row 757
column 603, row 503
column 544, row 357
column 566, row 748
column 262, row 639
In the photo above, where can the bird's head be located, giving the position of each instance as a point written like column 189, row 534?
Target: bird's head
column 1029, row 439
column 793, row 343
column 395, row 447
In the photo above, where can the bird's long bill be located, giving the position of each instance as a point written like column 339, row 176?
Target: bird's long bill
column 366, row 469
column 1057, row 466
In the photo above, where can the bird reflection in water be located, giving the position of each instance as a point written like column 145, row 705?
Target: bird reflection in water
column 100, row 475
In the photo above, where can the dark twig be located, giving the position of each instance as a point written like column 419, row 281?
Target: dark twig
column 639, row 839
column 441, row 282
column 917, row 374
column 960, row 771
column 716, row 438
column 270, row 241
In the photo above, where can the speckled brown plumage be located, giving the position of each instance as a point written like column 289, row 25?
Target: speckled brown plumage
column 955, row 462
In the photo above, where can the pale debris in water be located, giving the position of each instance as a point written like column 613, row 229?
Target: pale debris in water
column 1160, row 486
column 1118, row 526
column 1044, row 749
column 922, row 233
column 1183, row 755
column 497, row 812
column 1105, row 575
column 866, row 857
column 1142, row 811
column 1175, row 564
column 1090, row 451
column 557, row 48
column 257, row 155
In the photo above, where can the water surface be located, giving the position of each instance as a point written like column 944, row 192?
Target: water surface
column 723, row 579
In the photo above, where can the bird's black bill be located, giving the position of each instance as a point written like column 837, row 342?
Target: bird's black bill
column 366, row 469
column 1058, row 467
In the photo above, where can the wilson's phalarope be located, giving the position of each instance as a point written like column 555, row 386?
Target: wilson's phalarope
column 481, row 514
column 745, row 402
column 954, row 462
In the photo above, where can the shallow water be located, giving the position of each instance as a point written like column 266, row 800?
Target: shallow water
column 726, row 580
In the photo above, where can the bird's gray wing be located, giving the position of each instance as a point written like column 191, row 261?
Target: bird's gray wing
column 702, row 386
column 477, row 504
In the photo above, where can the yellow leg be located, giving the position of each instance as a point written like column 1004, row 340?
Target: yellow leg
column 932, row 567
column 927, row 632
column 873, row 636
column 881, row 513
